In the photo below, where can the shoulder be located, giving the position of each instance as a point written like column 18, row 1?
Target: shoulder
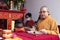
column 52, row 19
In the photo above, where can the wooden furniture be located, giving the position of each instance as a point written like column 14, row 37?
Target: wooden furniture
column 11, row 15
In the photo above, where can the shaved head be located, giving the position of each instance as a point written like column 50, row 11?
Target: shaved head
column 44, row 12
column 44, row 8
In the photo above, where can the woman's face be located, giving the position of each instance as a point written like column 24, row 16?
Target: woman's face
column 43, row 12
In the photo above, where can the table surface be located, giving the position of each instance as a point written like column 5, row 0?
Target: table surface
column 27, row 36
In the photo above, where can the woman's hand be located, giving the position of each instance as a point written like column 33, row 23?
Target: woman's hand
column 44, row 31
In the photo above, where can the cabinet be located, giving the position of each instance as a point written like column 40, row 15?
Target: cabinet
column 9, row 15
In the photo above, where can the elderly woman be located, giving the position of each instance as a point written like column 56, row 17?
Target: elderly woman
column 46, row 24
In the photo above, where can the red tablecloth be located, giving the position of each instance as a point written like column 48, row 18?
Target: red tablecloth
column 27, row 36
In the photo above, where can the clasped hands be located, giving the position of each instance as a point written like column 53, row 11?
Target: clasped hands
column 43, row 31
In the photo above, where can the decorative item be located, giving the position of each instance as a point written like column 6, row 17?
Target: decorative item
column 14, row 4
column 7, row 34
column 18, row 4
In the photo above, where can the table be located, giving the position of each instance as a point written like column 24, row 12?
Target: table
column 27, row 36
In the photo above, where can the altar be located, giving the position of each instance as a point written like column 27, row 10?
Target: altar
column 10, row 15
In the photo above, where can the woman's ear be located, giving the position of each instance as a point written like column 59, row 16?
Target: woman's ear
column 48, row 13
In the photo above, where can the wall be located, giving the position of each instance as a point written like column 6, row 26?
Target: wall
column 33, row 6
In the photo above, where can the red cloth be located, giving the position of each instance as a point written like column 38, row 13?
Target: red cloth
column 46, row 37
column 26, row 36
column 30, row 23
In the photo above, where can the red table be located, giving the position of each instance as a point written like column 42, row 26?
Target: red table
column 26, row 36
